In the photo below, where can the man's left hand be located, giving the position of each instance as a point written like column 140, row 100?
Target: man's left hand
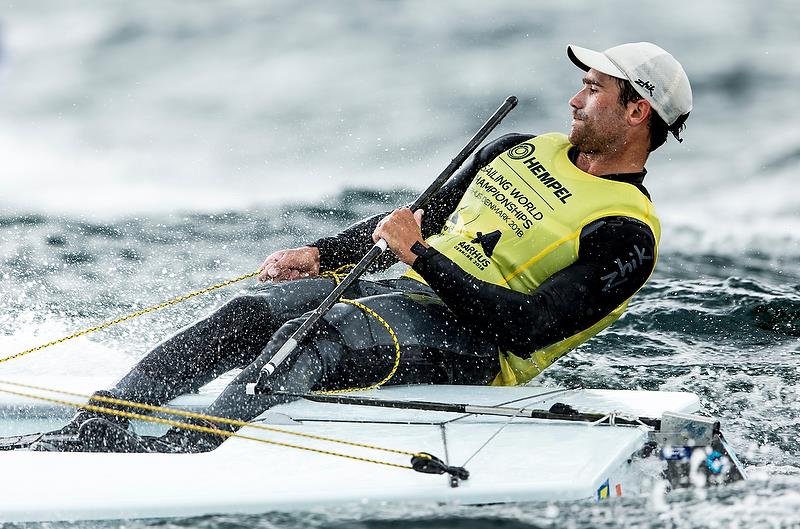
column 401, row 229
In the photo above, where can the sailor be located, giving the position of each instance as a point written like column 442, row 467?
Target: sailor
column 536, row 245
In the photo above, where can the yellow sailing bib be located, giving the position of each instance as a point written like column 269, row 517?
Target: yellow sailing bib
column 520, row 221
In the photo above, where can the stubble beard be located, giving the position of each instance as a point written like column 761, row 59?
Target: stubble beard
column 584, row 137
column 590, row 139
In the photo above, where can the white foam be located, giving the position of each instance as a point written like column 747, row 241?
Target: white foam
column 80, row 357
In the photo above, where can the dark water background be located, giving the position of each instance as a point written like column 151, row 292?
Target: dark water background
column 151, row 149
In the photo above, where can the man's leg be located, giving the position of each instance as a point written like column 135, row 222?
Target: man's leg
column 233, row 336
column 298, row 374
column 230, row 337
column 351, row 349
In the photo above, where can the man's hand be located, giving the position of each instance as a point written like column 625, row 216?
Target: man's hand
column 286, row 265
column 401, row 229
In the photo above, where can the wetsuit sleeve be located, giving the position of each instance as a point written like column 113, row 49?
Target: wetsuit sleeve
column 615, row 258
column 350, row 245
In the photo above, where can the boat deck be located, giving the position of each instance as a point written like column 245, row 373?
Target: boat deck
column 528, row 460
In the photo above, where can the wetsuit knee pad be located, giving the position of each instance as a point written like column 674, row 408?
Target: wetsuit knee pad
column 356, row 347
column 356, row 329
column 292, row 299
column 243, row 309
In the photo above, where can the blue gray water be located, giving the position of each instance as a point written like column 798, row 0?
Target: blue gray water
column 151, row 149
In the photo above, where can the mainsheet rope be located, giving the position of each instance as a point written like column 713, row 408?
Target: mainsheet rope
column 136, row 314
column 336, row 275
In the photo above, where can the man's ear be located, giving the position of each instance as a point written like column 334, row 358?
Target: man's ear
column 639, row 112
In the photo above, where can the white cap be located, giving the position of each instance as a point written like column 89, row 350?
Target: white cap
column 654, row 74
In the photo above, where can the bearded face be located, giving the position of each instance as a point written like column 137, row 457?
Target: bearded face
column 598, row 124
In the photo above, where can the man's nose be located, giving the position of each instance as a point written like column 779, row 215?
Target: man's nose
column 577, row 100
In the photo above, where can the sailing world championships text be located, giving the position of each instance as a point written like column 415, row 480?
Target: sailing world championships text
column 512, row 199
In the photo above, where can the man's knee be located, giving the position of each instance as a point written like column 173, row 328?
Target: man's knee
column 356, row 329
column 245, row 306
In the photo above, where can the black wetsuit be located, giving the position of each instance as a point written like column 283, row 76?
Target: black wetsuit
column 449, row 332
column 571, row 300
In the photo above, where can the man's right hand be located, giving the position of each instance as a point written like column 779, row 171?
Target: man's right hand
column 286, row 265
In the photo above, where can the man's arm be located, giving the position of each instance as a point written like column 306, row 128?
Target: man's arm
column 616, row 257
column 353, row 242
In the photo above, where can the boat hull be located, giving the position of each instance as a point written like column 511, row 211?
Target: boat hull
column 529, row 460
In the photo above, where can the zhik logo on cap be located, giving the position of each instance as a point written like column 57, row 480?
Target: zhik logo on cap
column 647, row 85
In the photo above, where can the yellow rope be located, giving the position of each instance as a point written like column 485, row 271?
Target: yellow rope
column 395, row 342
column 336, row 275
column 130, row 316
column 205, row 429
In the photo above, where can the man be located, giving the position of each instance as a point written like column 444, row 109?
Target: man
column 537, row 244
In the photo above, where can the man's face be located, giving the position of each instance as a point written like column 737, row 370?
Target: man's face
column 599, row 122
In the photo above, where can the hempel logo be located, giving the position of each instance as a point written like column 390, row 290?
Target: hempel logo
column 647, row 85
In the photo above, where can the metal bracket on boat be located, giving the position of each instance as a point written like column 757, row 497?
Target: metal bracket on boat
column 429, row 464
column 696, row 452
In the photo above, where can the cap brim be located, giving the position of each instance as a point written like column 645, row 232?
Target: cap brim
column 586, row 59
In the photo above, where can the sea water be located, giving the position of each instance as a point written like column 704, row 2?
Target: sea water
column 152, row 149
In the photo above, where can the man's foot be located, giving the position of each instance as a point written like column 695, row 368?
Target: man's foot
column 95, row 434
column 66, row 436
column 24, row 442
column 184, row 441
column 101, row 435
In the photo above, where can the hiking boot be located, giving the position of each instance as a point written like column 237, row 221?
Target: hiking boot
column 67, row 436
column 63, row 434
column 101, row 435
column 95, row 434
